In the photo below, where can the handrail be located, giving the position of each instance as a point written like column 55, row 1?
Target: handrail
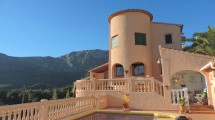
column 133, row 84
column 49, row 110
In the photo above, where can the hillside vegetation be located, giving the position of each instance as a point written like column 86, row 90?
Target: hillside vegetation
column 48, row 72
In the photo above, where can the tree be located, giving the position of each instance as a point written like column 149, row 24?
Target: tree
column 73, row 90
column 54, row 97
column 67, row 94
column 24, row 96
column 203, row 42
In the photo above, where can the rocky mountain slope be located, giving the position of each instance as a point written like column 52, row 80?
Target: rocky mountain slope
column 16, row 72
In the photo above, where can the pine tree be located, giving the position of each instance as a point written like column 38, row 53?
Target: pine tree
column 73, row 89
column 24, row 96
column 67, row 94
column 54, row 96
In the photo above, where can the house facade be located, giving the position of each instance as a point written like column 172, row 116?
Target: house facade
column 133, row 44
column 146, row 61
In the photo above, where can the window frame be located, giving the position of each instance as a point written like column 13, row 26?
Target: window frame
column 140, row 40
column 115, row 36
column 116, row 71
column 138, row 65
column 165, row 38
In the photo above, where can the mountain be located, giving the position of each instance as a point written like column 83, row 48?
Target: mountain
column 37, row 72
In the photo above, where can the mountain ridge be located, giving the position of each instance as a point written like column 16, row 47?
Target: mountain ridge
column 17, row 72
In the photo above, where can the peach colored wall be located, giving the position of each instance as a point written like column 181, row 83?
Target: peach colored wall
column 96, row 75
column 150, row 101
column 114, row 98
column 158, row 31
column 125, row 25
column 142, row 101
column 208, row 82
column 174, row 61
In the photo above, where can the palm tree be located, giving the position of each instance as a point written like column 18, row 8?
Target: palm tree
column 203, row 42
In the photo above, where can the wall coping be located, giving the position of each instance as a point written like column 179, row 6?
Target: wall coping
column 130, row 10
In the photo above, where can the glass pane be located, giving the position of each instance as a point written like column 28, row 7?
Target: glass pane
column 115, row 41
column 168, row 38
column 138, row 69
column 140, row 39
column 119, row 70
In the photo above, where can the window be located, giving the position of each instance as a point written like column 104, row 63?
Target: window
column 115, row 41
column 138, row 69
column 119, row 71
column 140, row 39
column 168, row 38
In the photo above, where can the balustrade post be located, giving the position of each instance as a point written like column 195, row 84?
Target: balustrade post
column 43, row 112
column 130, row 85
column 153, row 85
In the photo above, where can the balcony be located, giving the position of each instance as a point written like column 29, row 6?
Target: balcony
column 125, row 85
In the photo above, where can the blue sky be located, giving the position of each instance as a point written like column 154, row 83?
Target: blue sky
column 57, row 27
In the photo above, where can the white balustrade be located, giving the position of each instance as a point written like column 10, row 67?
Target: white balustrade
column 132, row 84
column 147, row 85
column 176, row 94
column 102, row 84
column 48, row 110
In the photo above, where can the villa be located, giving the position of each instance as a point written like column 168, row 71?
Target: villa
column 146, row 62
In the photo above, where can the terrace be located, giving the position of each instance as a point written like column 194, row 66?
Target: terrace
column 103, row 95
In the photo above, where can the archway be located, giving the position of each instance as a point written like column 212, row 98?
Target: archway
column 194, row 81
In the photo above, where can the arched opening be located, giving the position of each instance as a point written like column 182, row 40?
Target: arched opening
column 138, row 69
column 194, row 81
column 118, row 71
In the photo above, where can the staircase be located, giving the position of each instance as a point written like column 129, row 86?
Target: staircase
column 201, row 109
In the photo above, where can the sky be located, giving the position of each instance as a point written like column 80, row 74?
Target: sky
column 58, row 27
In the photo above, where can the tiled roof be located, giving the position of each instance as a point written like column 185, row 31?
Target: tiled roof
column 130, row 10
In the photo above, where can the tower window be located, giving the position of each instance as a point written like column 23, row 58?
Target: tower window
column 140, row 39
column 168, row 38
column 115, row 41
column 119, row 71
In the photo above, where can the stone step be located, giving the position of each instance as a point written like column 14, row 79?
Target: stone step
column 202, row 112
column 201, row 109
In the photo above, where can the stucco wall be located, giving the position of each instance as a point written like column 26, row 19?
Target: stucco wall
column 142, row 101
column 114, row 98
column 174, row 61
column 150, row 101
column 125, row 25
column 158, row 32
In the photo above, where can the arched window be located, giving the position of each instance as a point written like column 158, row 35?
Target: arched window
column 138, row 69
column 119, row 70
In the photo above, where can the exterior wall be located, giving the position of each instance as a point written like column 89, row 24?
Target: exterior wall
column 212, row 82
column 97, row 75
column 149, row 101
column 158, row 31
column 174, row 61
column 125, row 25
column 208, row 82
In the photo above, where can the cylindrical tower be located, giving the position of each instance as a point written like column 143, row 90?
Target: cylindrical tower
column 130, row 51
